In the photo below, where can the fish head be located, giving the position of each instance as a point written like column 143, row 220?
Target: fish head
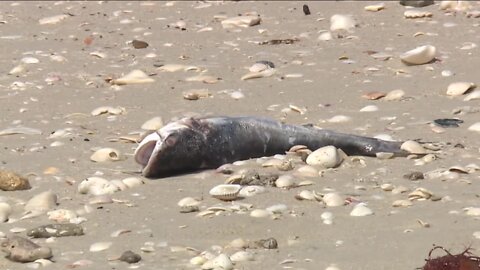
column 176, row 147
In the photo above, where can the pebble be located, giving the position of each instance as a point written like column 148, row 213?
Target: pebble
column 19, row 249
column 11, row 181
column 130, row 257
column 56, row 230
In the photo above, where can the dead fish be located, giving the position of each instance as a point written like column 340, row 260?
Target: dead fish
column 206, row 143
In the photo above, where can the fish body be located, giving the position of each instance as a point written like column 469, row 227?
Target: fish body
column 204, row 143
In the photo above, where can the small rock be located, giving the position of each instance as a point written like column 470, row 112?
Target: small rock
column 414, row 176
column 10, row 181
column 416, row 3
column 130, row 257
column 138, row 44
column 56, row 230
column 19, row 249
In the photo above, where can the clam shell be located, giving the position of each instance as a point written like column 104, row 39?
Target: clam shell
column 188, row 201
column 100, row 246
column 327, row 157
column 342, row 22
column 473, row 95
column 241, row 256
column 131, row 182
column 459, row 88
column 154, row 123
column 41, row 202
column 394, row 94
column 260, row 213
column 105, row 154
column 5, row 211
column 333, row 199
column 361, row 210
column 413, row 147
column 307, row 171
column 285, row 181
column 225, row 192
column 84, row 186
column 134, row 77
column 475, row 127
column 306, row 195
column 420, row 55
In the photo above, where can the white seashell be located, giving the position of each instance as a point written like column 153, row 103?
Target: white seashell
column 394, row 95
column 249, row 191
column 5, row 211
column 285, row 181
column 203, row 78
column 327, row 157
column 98, row 54
column 30, row 60
column 259, row 213
column 475, row 127
column 225, row 192
column 118, row 183
column 473, row 95
column 459, row 88
column 339, row 119
column 333, row 199
column 307, row 171
column 240, row 21
column 277, row 208
column 375, row 7
column 105, row 154
column 420, row 55
column 307, row 195
column 41, row 202
column 416, row 13
column 132, row 182
column 241, row 256
column 84, row 186
column 238, row 243
column 341, row 22
column 119, row 232
column 385, row 137
column 100, row 246
column 153, row 124
column 413, row 147
column 325, row 36
column 361, row 210
column 198, row 260
column 327, row 217
column 387, row 187
column 17, row 70
column 402, row 203
column 237, row 95
column 472, row 211
column 333, row 267
column 369, row 108
column 259, row 67
column 223, row 262
column 453, row 5
column 61, row 215
column 384, row 155
column 52, row 19
column 188, row 201
column 134, row 77
column 259, row 74
column 104, row 189
column 108, row 110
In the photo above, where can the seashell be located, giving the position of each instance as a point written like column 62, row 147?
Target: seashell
column 5, row 211
column 306, row 195
column 361, row 210
column 369, row 108
column 17, row 70
column 30, row 60
column 198, row 260
column 387, row 187
column 237, row 95
column 84, row 186
column 105, row 154
column 241, row 256
column 277, row 208
column 472, row 96
column 154, row 123
column 139, row 44
column 419, row 194
column 459, row 88
column 225, row 192
column 100, row 246
column 259, row 213
column 384, row 155
column 333, row 267
column 325, row 36
column 132, row 182
column 41, row 202
column 394, row 94
column 108, row 110
column 249, row 191
column 259, row 74
column 203, row 78
column 327, row 218
column 20, row 130
column 475, row 127
column 195, row 94
column 261, row 66
column 375, row 7
column 342, row 22
column 327, row 157
column 52, row 19
column 240, row 21
column 339, row 119
column 285, row 181
column 307, row 171
column 413, row 147
column 188, row 201
column 104, row 189
column 333, row 199
column 134, row 77
column 119, row 232
column 222, row 261
column 177, row 67
column 416, row 13
column 402, row 203
column 10, row 181
column 472, row 211
column 238, row 243
column 455, row 5
column 374, row 95
column 61, row 215
column 97, row 54
column 419, row 56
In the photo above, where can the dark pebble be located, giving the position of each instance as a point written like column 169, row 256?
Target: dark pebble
column 306, row 10
column 268, row 63
column 189, row 209
column 130, row 257
column 416, row 3
column 56, row 230
column 414, row 176
column 447, row 122
column 138, row 44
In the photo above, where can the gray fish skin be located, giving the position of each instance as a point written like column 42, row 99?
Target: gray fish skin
column 203, row 143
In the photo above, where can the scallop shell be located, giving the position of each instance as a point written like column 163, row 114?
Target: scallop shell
column 105, row 154
column 134, row 77
column 327, row 157
column 420, row 55
column 226, row 192
column 459, row 88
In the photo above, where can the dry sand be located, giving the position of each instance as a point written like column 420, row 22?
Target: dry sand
column 392, row 238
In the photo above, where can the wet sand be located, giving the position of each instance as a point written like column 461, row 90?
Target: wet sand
column 60, row 93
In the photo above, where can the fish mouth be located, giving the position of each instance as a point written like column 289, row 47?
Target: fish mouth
column 144, row 151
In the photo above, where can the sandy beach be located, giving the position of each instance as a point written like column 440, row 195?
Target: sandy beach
column 62, row 61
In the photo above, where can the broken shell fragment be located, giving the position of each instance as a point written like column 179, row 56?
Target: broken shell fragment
column 134, row 77
column 240, row 21
column 419, row 56
column 52, row 19
column 342, row 22
column 107, row 110
column 100, row 246
column 475, row 127
column 459, row 88
column 105, row 154
column 225, row 192
column 375, row 7
column 394, row 94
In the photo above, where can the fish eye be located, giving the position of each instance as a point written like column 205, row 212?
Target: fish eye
column 171, row 140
